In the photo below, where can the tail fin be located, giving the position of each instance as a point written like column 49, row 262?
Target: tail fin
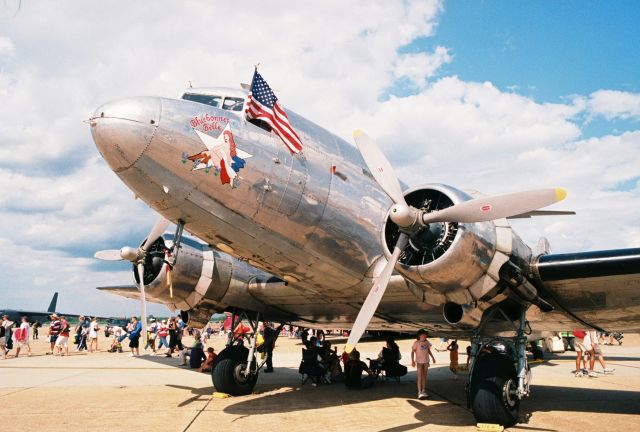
column 54, row 302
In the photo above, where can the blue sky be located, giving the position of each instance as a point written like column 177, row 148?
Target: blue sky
column 547, row 49
column 495, row 96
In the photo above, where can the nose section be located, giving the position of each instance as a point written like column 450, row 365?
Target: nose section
column 122, row 129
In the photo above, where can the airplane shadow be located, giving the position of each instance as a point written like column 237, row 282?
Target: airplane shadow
column 442, row 386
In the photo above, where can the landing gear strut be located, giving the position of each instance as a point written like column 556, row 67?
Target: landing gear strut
column 500, row 377
column 235, row 370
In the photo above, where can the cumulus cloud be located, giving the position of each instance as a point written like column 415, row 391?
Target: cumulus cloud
column 615, row 104
column 7, row 49
column 419, row 67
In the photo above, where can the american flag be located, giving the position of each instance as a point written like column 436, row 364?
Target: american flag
column 262, row 104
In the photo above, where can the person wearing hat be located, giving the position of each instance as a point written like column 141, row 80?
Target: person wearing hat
column 420, row 353
column 152, row 332
column 54, row 330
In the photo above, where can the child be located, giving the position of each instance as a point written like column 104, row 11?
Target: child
column 420, row 353
column 453, row 355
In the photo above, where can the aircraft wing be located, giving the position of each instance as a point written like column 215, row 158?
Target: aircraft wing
column 528, row 215
column 128, row 291
column 597, row 286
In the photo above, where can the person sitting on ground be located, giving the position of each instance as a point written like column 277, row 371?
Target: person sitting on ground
column 195, row 354
column 353, row 372
column 211, row 357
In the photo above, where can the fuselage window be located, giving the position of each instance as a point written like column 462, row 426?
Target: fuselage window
column 232, row 104
column 214, row 101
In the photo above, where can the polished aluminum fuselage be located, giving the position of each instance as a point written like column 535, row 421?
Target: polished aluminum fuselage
column 314, row 221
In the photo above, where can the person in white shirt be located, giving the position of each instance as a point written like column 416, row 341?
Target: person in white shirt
column 21, row 335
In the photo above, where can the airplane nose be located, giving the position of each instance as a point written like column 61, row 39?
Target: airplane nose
column 122, row 129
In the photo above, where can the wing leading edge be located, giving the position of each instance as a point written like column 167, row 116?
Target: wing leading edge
column 600, row 289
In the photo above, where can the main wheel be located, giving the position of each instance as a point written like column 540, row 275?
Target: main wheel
column 493, row 390
column 228, row 370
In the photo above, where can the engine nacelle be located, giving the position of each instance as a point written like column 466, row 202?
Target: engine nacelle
column 198, row 281
column 455, row 264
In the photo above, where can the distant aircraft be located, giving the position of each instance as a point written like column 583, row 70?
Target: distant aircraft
column 42, row 317
column 16, row 315
column 313, row 236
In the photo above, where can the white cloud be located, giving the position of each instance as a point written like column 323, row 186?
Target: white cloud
column 7, row 49
column 615, row 104
column 421, row 66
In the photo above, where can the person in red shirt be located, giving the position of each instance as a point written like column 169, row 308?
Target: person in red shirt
column 63, row 337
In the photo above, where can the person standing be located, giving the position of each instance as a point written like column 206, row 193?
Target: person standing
column 453, row 355
column 22, row 337
column 6, row 325
column 583, row 345
column 597, row 349
column 152, row 332
column 420, row 353
column 134, row 337
column 163, row 332
column 63, row 337
column 93, row 334
column 54, row 331
column 35, row 327
column 269, row 343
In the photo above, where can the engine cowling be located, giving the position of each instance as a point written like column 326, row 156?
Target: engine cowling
column 455, row 264
column 199, row 280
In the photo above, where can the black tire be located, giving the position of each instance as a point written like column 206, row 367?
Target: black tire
column 492, row 390
column 572, row 345
column 565, row 342
column 227, row 372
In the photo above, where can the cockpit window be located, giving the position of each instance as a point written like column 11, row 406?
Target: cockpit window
column 233, row 104
column 214, row 101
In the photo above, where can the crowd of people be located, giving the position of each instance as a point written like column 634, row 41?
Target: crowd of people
column 320, row 360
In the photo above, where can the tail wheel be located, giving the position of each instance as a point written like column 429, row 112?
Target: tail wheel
column 493, row 390
column 228, row 372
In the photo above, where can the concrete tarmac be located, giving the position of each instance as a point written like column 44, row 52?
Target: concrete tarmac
column 113, row 392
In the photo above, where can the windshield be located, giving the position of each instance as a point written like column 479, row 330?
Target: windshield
column 233, row 104
column 214, row 101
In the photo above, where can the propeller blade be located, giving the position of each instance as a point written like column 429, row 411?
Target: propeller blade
column 108, row 255
column 157, row 230
column 143, row 304
column 379, row 166
column 496, row 207
column 375, row 295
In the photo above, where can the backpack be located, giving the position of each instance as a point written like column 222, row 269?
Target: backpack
column 2, row 331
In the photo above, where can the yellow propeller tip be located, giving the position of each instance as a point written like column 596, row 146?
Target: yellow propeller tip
column 348, row 349
column 560, row 194
column 357, row 133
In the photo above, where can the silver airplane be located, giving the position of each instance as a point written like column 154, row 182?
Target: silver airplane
column 330, row 238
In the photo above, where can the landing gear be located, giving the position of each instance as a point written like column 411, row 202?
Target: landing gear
column 500, row 376
column 236, row 369
column 230, row 373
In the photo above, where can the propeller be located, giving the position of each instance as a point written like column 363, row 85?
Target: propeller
column 137, row 256
column 411, row 220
